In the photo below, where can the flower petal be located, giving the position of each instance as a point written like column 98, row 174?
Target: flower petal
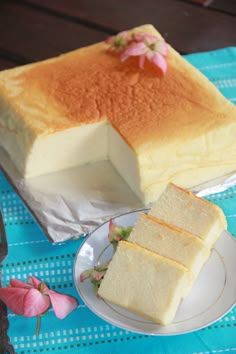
column 14, row 299
column 62, row 304
column 118, row 42
column 37, row 284
column 163, row 48
column 123, row 34
column 85, row 274
column 160, row 62
column 136, row 49
column 110, row 230
column 98, row 275
column 116, row 237
column 35, row 303
column 15, row 283
column 140, row 37
column 109, row 40
column 34, row 281
column 142, row 61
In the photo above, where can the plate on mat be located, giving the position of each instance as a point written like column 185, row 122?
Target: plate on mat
column 212, row 296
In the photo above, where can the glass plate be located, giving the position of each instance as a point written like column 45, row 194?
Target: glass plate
column 212, row 296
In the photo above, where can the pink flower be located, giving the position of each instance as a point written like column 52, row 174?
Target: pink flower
column 86, row 274
column 117, row 233
column 113, row 234
column 34, row 298
column 143, row 45
column 95, row 274
column 147, row 47
column 118, row 42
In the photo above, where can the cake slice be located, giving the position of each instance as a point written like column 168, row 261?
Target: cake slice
column 144, row 283
column 172, row 242
column 195, row 215
column 87, row 105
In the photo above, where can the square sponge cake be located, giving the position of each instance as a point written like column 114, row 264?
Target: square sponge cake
column 144, row 283
column 171, row 242
column 188, row 212
column 87, row 105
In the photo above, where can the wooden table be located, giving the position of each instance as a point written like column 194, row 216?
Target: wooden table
column 32, row 30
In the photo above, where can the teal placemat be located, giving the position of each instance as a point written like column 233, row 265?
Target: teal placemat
column 82, row 331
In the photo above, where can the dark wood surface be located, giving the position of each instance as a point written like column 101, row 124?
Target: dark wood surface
column 32, row 30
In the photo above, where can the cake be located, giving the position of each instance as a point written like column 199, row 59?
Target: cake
column 144, row 283
column 156, row 267
column 181, row 208
column 172, row 242
column 87, row 106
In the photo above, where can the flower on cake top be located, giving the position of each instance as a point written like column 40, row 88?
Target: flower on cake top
column 142, row 45
column 118, row 42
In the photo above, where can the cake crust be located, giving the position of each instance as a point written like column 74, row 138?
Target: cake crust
column 91, row 84
column 155, row 128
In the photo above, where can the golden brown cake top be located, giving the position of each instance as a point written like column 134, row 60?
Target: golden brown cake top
column 91, row 84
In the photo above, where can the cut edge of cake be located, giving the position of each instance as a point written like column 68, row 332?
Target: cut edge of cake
column 144, row 283
column 203, row 218
column 171, row 242
column 20, row 109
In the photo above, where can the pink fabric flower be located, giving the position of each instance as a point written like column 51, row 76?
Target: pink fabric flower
column 34, row 298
